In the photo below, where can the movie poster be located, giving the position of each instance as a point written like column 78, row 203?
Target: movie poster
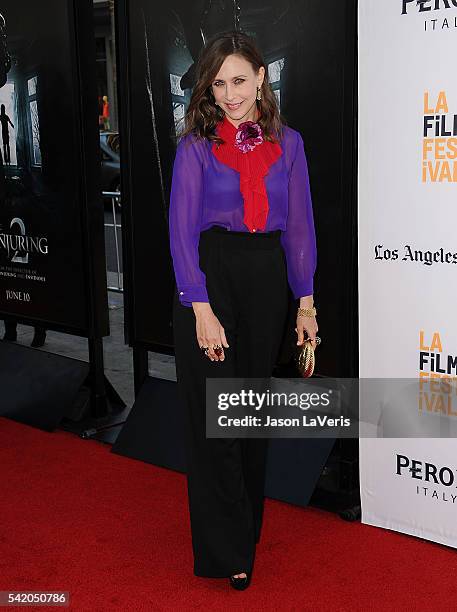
column 42, row 275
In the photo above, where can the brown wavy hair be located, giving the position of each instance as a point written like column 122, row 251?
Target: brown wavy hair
column 203, row 114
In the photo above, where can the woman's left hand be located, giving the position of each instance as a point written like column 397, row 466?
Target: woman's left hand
column 308, row 325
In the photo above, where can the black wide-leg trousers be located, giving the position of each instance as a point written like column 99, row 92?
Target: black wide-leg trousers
column 246, row 280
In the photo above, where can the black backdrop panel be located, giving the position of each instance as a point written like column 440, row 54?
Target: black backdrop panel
column 310, row 49
column 38, row 388
column 48, row 166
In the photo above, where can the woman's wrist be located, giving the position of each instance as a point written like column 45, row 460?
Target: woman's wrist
column 201, row 307
column 306, row 301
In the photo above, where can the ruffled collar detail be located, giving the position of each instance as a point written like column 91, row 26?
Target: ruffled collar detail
column 245, row 150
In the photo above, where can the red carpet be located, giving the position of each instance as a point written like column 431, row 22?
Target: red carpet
column 115, row 533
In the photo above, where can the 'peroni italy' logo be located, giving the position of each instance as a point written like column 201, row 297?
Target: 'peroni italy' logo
column 424, row 6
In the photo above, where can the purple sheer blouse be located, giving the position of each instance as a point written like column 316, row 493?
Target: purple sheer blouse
column 205, row 192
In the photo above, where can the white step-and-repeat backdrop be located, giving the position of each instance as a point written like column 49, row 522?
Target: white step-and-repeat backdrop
column 408, row 253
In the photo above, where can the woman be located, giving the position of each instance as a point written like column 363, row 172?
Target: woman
column 241, row 230
column 6, row 122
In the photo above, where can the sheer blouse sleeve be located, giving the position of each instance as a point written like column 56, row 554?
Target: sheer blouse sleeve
column 299, row 239
column 184, row 222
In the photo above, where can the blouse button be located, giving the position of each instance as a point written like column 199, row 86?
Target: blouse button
column 181, row 293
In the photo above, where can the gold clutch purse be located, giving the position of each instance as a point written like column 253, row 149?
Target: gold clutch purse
column 305, row 358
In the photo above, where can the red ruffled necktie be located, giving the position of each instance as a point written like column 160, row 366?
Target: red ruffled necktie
column 253, row 166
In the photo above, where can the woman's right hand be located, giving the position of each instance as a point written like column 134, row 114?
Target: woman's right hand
column 209, row 330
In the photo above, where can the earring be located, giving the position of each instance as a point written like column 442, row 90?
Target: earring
column 259, row 96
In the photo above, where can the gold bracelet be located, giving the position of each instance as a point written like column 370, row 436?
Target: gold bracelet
column 307, row 312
